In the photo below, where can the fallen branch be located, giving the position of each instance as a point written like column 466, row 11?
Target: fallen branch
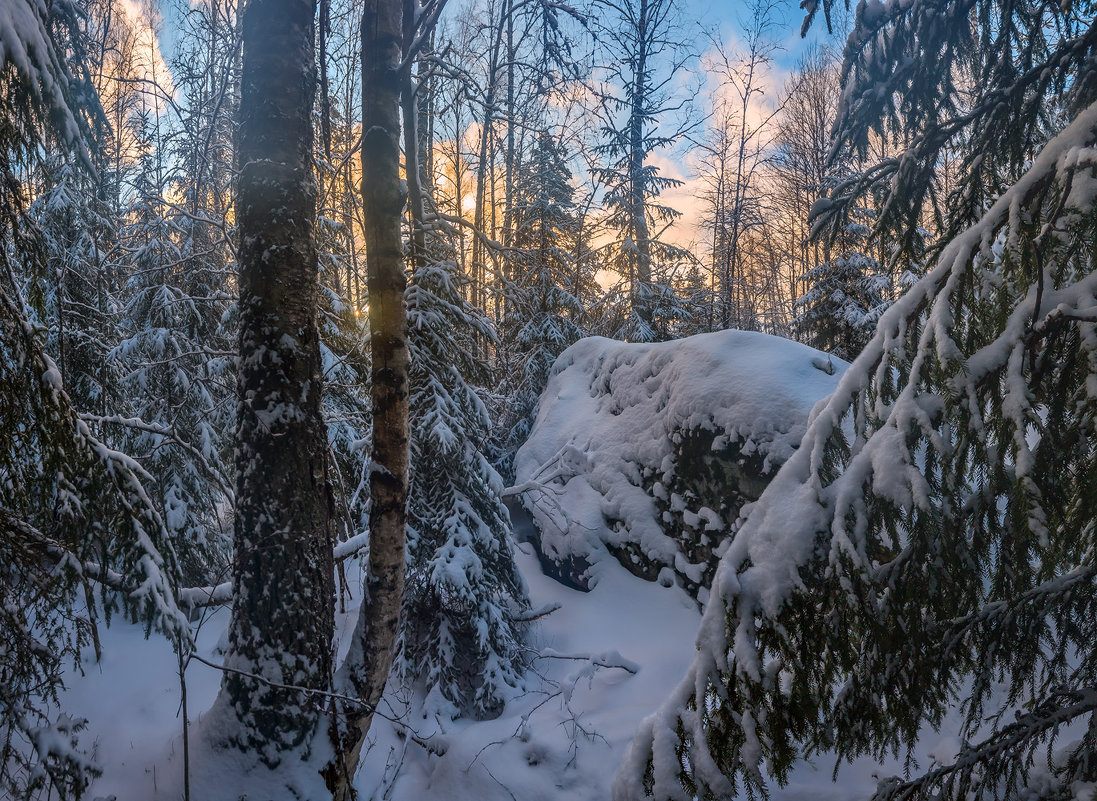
column 610, row 659
column 532, row 615
column 436, row 749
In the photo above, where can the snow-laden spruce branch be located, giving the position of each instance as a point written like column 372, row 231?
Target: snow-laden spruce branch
column 1050, row 713
column 898, row 513
column 73, row 512
column 169, row 433
column 145, row 557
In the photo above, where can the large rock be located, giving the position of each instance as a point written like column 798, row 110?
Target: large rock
column 648, row 452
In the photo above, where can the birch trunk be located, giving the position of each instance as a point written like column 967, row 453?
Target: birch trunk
column 367, row 666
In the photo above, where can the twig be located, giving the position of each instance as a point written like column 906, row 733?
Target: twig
column 532, row 615
column 326, row 694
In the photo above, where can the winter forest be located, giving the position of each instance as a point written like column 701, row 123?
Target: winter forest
column 548, row 399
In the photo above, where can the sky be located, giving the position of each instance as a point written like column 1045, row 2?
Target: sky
column 727, row 20
column 706, row 20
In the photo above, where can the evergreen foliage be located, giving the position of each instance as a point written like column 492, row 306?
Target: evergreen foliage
column 638, row 118
column 176, row 370
column 463, row 595
column 345, row 360
column 71, row 509
column 76, row 296
column 544, row 311
column 930, row 546
column 846, row 294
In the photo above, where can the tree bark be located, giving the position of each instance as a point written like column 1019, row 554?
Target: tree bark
column 640, row 259
column 283, row 614
column 367, row 666
column 409, row 105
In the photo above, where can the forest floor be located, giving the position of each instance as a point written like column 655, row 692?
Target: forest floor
column 601, row 662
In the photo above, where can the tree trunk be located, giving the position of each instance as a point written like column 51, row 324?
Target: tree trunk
column 367, row 666
column 282, row 615
column 640, row 260
column 409, row 105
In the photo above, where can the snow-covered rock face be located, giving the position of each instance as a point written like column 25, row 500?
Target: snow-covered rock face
column 647, row 452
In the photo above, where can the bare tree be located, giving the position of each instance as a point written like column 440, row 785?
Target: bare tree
column 734, row 153
column 798, row 169
column 641, row 112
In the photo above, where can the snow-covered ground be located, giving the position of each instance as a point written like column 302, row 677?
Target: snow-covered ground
column 603, row 660
column 600, row 661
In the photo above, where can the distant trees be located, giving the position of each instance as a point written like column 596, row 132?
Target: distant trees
column 545, row 308
column 733, row 156
column 799, row 172
column 846, row 294
column 639, row 114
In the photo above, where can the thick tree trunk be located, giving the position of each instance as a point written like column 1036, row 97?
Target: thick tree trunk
column 282, row 616
column 367, row 667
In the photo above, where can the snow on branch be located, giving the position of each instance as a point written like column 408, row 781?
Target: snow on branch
column 888, row 474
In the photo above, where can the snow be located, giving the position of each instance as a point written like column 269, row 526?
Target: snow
column 611, row 411
column 601, row 661
column 25, row 43
column 759, row 572
column 604, row 660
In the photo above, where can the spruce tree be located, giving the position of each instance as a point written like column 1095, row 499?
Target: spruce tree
column 543, row 311
column 929, row 549
column 846, row 294
column 73, row 512
column 344, row 354
column 77, row 290
column 173, row 367
column 644, row 48
column 463, row 592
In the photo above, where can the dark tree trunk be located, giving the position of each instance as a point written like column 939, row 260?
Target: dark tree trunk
column 383, row 198
column 282, row 615
column 640, row 261
column 409, row 106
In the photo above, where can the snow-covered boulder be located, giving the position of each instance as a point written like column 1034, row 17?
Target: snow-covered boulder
column 647, row 452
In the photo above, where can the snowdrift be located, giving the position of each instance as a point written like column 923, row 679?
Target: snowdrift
column 599, row 661
column 648, row 452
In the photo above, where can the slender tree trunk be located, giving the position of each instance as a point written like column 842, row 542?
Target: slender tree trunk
column 282, row 615
column 410, row 109
column 480, row 212
column 367, row 666
column 640, row 260
column 458, row 185
column 485, row 168
column 424, row 110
